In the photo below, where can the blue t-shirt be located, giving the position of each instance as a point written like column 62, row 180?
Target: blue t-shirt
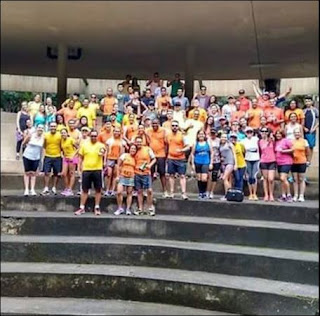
column 202, row 154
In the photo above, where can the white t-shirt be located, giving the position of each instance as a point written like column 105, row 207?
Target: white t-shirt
column 252, row 148
column 227, row 110
column 191, row 134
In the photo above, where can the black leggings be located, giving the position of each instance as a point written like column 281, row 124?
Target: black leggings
column 18, row 146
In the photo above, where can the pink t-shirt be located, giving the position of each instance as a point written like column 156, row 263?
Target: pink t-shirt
column 283, row 158
column 267, row 151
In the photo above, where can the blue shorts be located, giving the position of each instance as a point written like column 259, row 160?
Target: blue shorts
column 126, row 182
column 177, row 166
column 311, row 139
column 54, row 164
column 284, row 168
column 142, row 182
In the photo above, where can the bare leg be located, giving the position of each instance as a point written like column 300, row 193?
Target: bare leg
column 26, row 181
column 83, row 198
column 55, row 181
column 163, row 183
column 46, row 180
column 64, row 174
column 171, row 183
column 97, row 197
column 183, row 183
column 302, row 183
column 72, row 176
column 271, row 174
column 129, row 197
column 140, row 199
column 33, row 181
column 119, row 195
column 265, row 184
column 296, row 184
column 149, row 198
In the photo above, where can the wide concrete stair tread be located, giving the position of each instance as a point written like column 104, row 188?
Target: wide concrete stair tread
column 170, row 218
column 91, row 307
column 188, row 245
column 182, row 276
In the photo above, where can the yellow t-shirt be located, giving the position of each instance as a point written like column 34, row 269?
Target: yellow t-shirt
column 53, row 144
column 92, row 159
column 125, row 120
column 68, row 148
column 239, row 150
column 60, row 127
column 77, row 104
column 94, row 107
column 33, row 108
column 88, row 113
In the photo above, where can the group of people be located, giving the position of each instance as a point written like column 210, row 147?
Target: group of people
column 157, row 135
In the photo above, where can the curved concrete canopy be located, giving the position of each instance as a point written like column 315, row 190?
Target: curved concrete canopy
column 140, row 37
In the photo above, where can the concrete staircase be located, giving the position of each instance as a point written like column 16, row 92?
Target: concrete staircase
column 248, row 258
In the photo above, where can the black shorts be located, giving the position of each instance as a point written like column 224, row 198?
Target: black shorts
column 268, row 165
column 215, row 171
column 54, row 164
column 30, row 165
column 284, row 168
column 160, row 165
column 201, row 168
column 91, row 177
column 299, row 168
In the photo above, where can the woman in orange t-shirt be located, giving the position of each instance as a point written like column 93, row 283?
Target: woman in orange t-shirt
column 125, row 179
column 293, row 108
column 300, row 162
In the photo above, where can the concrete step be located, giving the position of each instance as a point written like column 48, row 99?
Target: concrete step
column 292, row 266
column 254, row 233
column 15, row 182
column 203, row 290
column 300, row 213
column 91, row 307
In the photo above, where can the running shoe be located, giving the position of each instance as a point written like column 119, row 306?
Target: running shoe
column 69, row 193
column 170, row 195
column 79, row 211
column 54, row 191
column 223, row 198
column 33, row 193
column 184, row 196
column 165, row 194
column 301, row 198
column 26, row 193
column 119, row 211
column 128, row 211
column 138, row 212
column 295, row 198
column 64, row 192
column 97, row 211
column 255, row 198
column 17, row 156
column 152, row 211
column 289, row 199
column 45, row 191
column 282, row 199
column 211, row 196
column 290, row 179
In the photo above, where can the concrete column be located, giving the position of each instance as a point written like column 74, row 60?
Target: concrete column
column 62, row 73
column 189, row 71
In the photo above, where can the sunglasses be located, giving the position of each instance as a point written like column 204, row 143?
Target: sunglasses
column 249, row 132
column 174, row 125
column 264, row 131
column 93, row 135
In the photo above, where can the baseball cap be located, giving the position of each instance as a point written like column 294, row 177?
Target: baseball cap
column 213, row 130
column 85, row 128
column 230, row 97
column 177, row 104
column 266, row 92
column 308, row 97
column 222, row 118
column 241, row 91
column 249, row 129
column 234, row 135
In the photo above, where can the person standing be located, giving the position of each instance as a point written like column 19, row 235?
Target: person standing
column 301, row 158
column 229, row 108
column 91, row 155
column 68, row 112
column 107, row 105
column 252, row 158
column 245, row 103
column 94, row 104
column 33, row 106
column 179, row 98
column 253, row 115
column 202, row 162
column 22, row 118
column 144, row 159
column 157, row 136
column 177, row 147
column 86, row 111
column 52, row 158
column 154, row 83
column 241, row 163
column 125, row 179
column 120, row 97
column 31, row 158
column 175, row 84
column 203, row 98
column 267, row 163
column 284, row 160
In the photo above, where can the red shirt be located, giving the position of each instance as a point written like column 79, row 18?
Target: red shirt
column 244, row 104
column 275, row 113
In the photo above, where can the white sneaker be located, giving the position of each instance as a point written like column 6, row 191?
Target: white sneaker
column 26, row 193
column 128, row 212
column 152, row 211
column 54, row 190
column 211, row 196
column 119, row 211
column 33, row 193
column 165, row 194
column 45, row 191
column 301, row 198
column 295, row 198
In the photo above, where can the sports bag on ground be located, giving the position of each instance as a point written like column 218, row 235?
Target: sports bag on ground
column 234, row 195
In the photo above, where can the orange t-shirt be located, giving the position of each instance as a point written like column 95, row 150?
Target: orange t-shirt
column 244, row 104
column 131, row 130
column 163, row 103
column 237, row 115
column 114, row 148
column 142, row 156
column 157, row 141
column 68, row 114
column 299, row 150
column 175, row 141
column 108, row 105
column 202, row 115
column 128, row 165
column 274, row 112
column 104, row 135
column 299, row 113
column 263, row 104
column 255, row 119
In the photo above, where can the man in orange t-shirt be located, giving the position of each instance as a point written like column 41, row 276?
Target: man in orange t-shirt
column 106, row 132
column 237, row 115
column 68, row 112
column 177, row 147
column 245, row 103
column 202, row 112
column 254, row 115
column 275, row 116
column 107, row 105
column 158, row 144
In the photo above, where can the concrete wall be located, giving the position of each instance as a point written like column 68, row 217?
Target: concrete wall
column 99, row 86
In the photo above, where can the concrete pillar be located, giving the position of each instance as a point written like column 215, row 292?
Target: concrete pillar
column 62, row 73
column 189, row 71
